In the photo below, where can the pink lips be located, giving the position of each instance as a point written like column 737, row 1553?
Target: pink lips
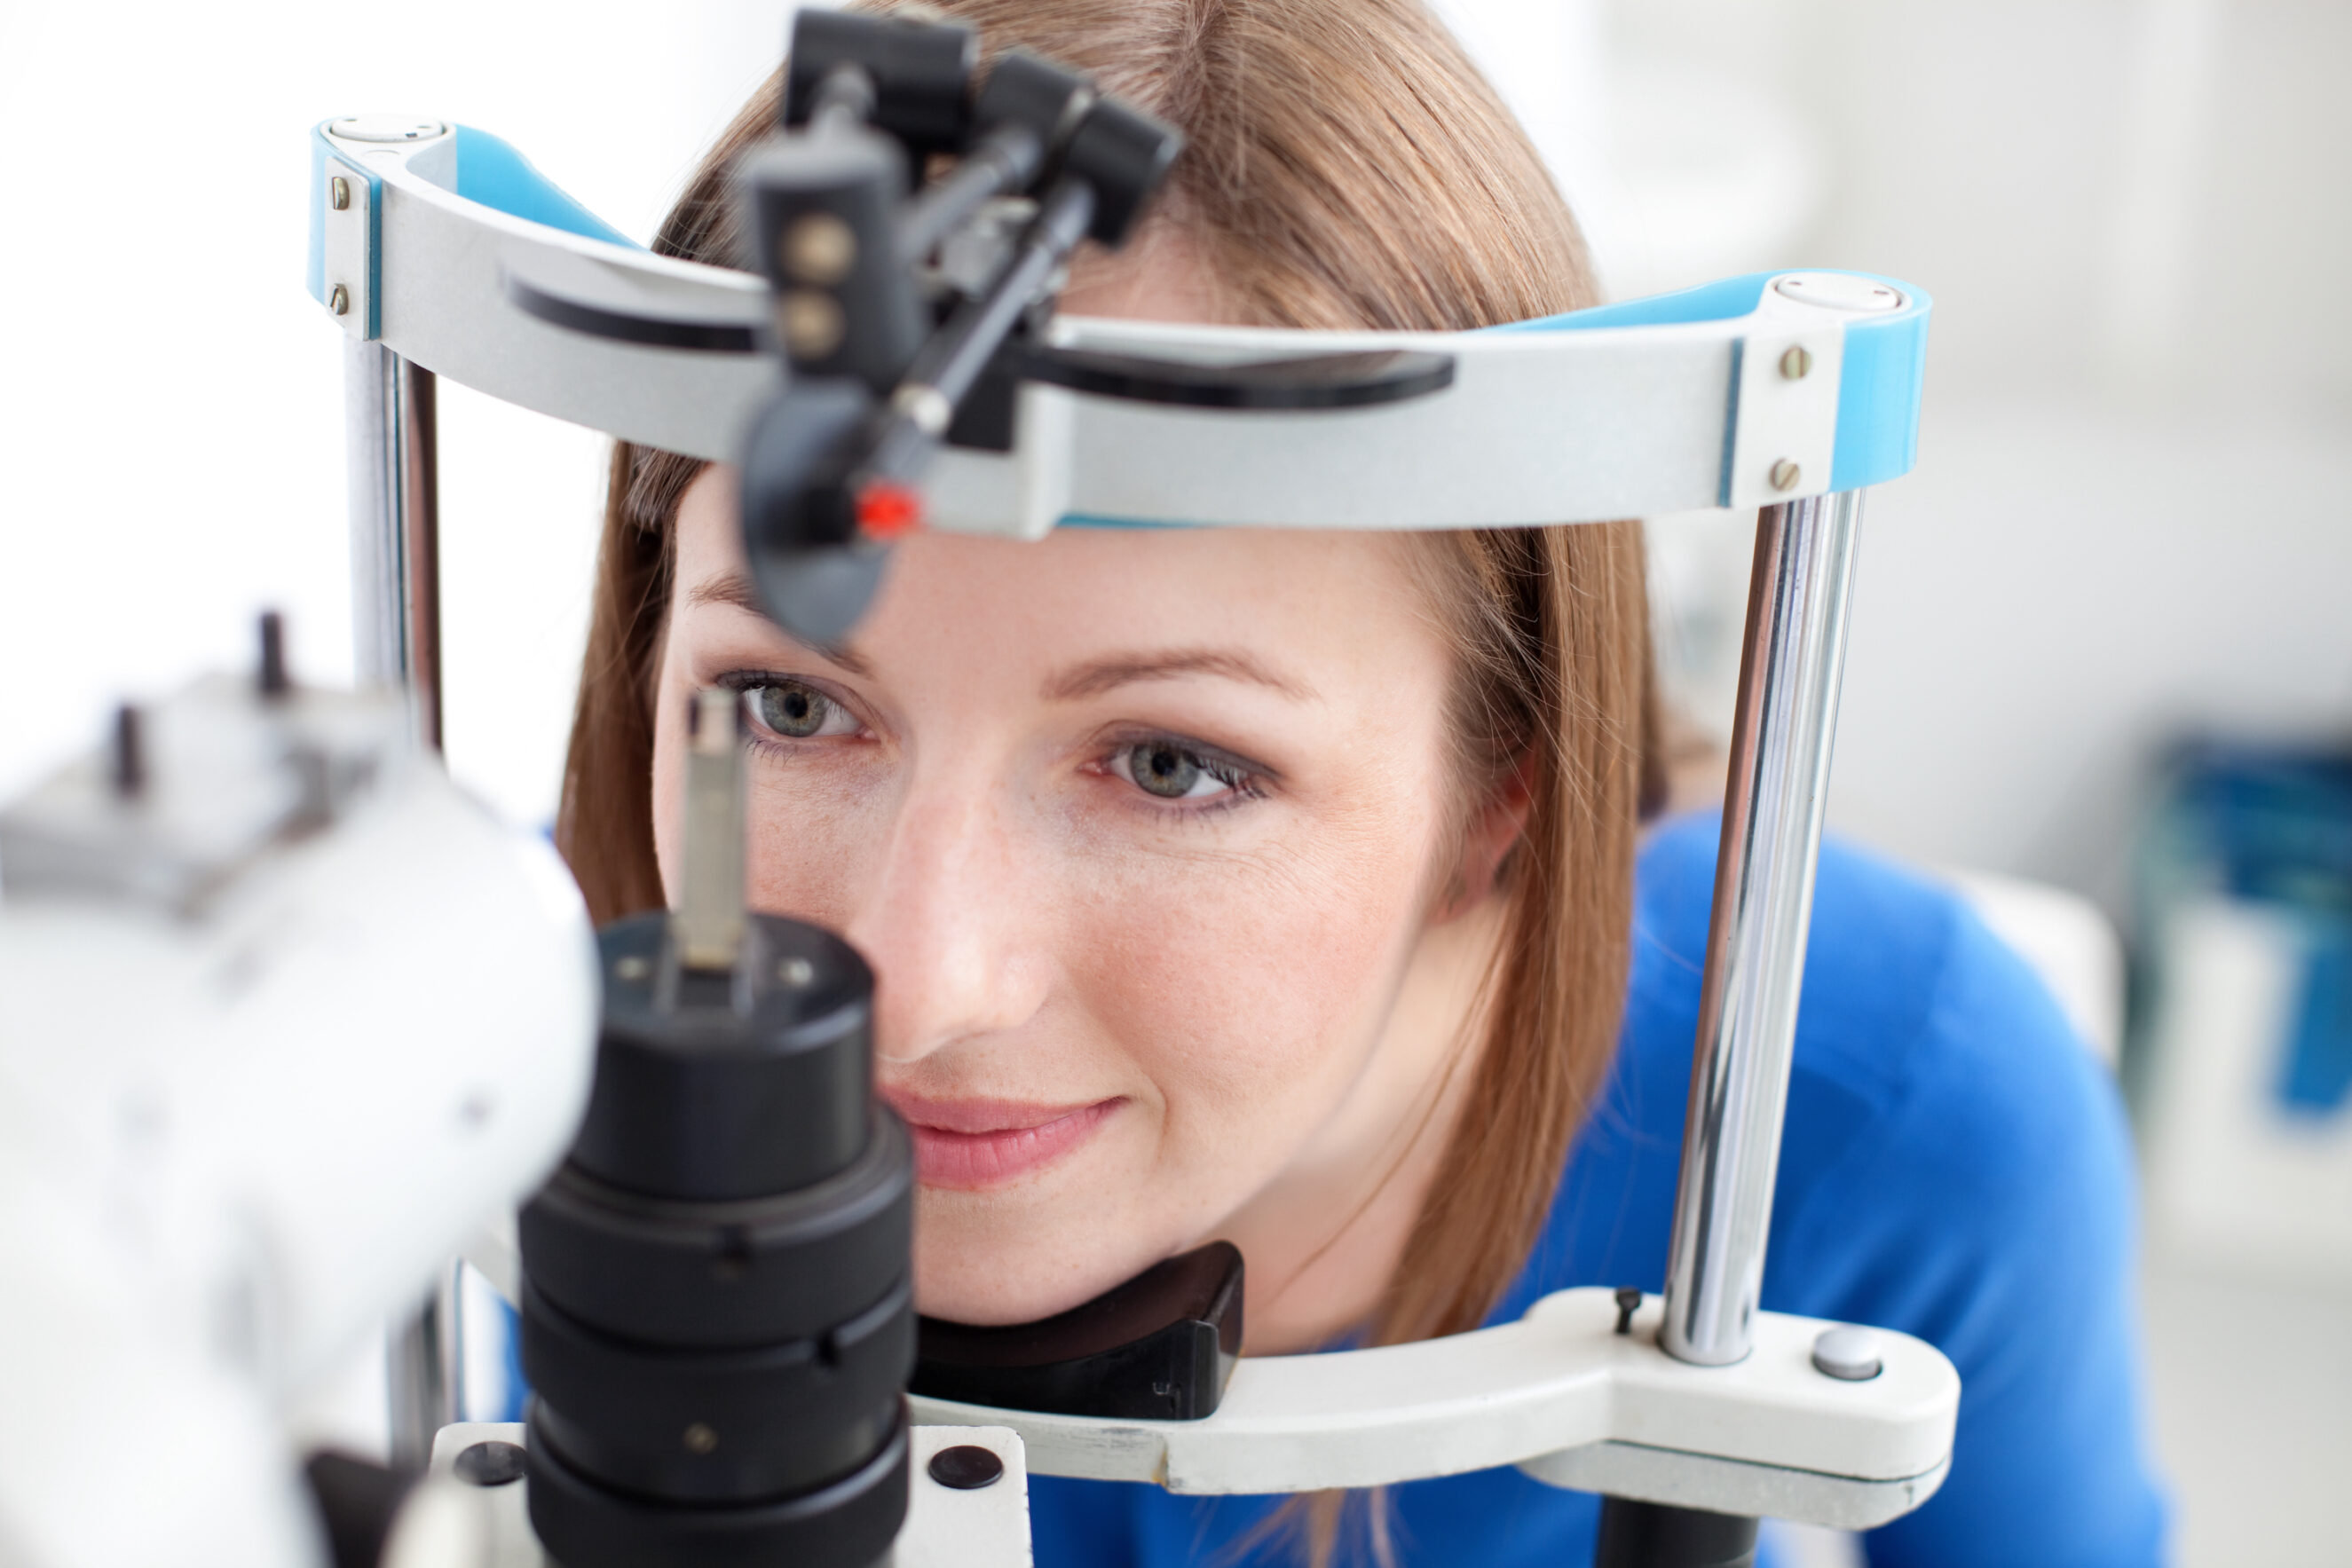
column 976, row 1144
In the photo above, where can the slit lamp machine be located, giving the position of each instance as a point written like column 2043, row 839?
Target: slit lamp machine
column 710, row 1261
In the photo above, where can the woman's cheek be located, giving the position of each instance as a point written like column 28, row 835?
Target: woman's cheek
column 811, row 829
column 1248, row 987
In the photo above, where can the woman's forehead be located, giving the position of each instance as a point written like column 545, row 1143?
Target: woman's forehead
column 1293, row 603
column 1161, row 276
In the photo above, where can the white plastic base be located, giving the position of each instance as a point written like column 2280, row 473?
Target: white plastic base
column 464, row 1526
column 1564, row 1397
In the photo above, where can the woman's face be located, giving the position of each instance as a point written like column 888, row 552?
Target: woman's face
column 1141, row 832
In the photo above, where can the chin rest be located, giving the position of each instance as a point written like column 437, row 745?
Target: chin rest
column 1160, row 1347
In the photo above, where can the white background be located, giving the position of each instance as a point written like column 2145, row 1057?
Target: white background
column 171, row 425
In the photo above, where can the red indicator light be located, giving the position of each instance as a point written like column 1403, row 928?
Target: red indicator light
column 885, row 511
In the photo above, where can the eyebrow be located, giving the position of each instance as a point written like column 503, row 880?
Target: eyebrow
column 1099, row 676
column 1090, row 679
column 734, row 589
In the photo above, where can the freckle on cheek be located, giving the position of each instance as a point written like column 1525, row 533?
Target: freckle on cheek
column 1244, row 1006
column 804, row 846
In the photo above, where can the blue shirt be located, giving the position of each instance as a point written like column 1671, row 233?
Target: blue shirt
column 1954, row 1164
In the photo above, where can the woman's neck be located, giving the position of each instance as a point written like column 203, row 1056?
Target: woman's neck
column 1323, row 1240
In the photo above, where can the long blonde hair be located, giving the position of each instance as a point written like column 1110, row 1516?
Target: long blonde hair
column 1346, row 166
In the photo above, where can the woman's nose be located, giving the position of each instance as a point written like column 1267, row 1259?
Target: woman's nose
column 946, row 924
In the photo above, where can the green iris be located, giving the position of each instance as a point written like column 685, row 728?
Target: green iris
column 793, row 710
column 1165, row 771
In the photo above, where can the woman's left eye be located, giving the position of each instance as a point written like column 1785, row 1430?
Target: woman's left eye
column 801, row 713
column 1174, row 772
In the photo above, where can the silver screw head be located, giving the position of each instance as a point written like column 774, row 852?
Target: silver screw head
column 1796, row 364
column 632, row 967
column 927, row 406
column 1849, row 1354
column 810, row 323
column 339, row 301
column 339, row 194
column 1785, row 475
column 796, row 971
column 699, row 1439
column 818, row 247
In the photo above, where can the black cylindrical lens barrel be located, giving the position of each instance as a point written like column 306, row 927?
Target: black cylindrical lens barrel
column 717, row 1325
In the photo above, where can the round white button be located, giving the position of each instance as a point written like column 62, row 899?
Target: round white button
column 1851, row 1353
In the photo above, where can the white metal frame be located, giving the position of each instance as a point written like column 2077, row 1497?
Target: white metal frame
column 1560, row 1394
column 1539, row 426
column 1586, row 421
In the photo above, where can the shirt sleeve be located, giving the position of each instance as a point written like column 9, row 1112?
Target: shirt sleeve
column 1990, row 1212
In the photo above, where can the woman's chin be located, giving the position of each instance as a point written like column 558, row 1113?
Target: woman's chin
column 1026, row 1268
column 1000, row 1291
column 1086, row 1212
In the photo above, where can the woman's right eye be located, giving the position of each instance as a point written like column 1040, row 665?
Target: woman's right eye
column 797, row 712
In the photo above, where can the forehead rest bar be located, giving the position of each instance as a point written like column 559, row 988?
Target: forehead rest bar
column 1769, row 387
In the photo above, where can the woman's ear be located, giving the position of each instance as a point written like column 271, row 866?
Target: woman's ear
column 1488, row 838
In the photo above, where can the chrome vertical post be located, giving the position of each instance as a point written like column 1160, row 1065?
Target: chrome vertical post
column 1789, row 678
column 389, row 448
column 388, row 439
column 425, row 1373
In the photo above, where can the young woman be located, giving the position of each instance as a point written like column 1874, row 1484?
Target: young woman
column 1293, row 889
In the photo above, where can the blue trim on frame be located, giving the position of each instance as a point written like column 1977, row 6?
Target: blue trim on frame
column 1726, row 299
column 1881, row 381
column 490, row 172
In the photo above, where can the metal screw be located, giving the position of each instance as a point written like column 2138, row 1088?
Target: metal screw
column 337, row 301
column 820, row 248
column 796, row 971
column 339, row 194
column 927, row 406
column 1796, row 363
column 699, row 1439
column 966, row 1467
column 275, row 682
column 812, row 322
column 1785, row 475
column 130, row 769
column 632, row 967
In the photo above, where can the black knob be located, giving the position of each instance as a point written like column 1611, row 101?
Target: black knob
column 921, row 72
column 718, row 1086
